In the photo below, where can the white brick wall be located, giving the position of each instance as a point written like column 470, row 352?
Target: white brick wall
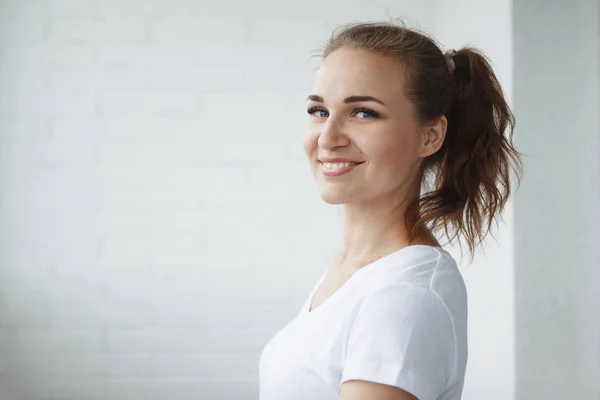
column 158, row 221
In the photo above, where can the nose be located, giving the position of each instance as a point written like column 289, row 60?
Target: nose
column 332, row 135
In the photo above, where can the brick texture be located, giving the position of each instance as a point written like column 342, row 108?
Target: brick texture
column 154, row 197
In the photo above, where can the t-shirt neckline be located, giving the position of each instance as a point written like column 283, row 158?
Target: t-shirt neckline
column 352, row 278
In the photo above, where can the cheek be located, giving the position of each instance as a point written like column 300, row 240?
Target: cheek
column 393, row 155
column 309, row 143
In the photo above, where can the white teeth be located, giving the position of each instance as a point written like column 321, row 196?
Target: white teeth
column 336, row 165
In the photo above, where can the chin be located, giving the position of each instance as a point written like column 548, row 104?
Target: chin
column 334, row 197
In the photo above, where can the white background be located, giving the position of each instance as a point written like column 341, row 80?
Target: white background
column 158, row 220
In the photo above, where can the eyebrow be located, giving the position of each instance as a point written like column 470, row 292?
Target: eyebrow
column 350, row 99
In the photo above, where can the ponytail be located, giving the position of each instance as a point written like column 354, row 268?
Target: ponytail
column 474, row 165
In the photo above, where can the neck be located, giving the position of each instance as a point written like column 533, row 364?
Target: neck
column 377, row 228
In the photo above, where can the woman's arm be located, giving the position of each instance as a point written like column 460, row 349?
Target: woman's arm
column 364, row 390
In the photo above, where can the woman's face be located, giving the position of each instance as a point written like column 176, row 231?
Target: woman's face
column 363, row 140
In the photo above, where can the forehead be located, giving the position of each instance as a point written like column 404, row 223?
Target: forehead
column 348, row 71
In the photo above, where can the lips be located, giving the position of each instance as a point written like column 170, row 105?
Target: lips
column 334, row 169
column 329, row 163
column 339, row 160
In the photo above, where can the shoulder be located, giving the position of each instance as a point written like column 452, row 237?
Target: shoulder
column 418, row 268
column 423, row 285
column 409, row 329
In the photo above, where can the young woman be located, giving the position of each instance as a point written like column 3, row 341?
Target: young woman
column 414, row 143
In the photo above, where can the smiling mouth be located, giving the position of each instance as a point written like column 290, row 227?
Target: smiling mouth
column 338, row 168
column 339, row 165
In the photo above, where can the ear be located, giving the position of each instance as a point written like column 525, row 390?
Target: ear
column 433, row 135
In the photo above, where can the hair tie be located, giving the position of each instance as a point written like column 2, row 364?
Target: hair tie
column 450, row 60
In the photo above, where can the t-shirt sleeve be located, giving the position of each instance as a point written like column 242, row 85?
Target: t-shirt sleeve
column 402, row 336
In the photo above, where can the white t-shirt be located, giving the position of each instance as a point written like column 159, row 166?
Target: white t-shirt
column 400, row 320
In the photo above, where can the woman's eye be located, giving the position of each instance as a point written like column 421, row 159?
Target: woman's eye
column 366, row 113
column 316, row 111
column 362, row 112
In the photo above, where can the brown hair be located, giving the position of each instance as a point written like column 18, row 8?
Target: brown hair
column 471, row 171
